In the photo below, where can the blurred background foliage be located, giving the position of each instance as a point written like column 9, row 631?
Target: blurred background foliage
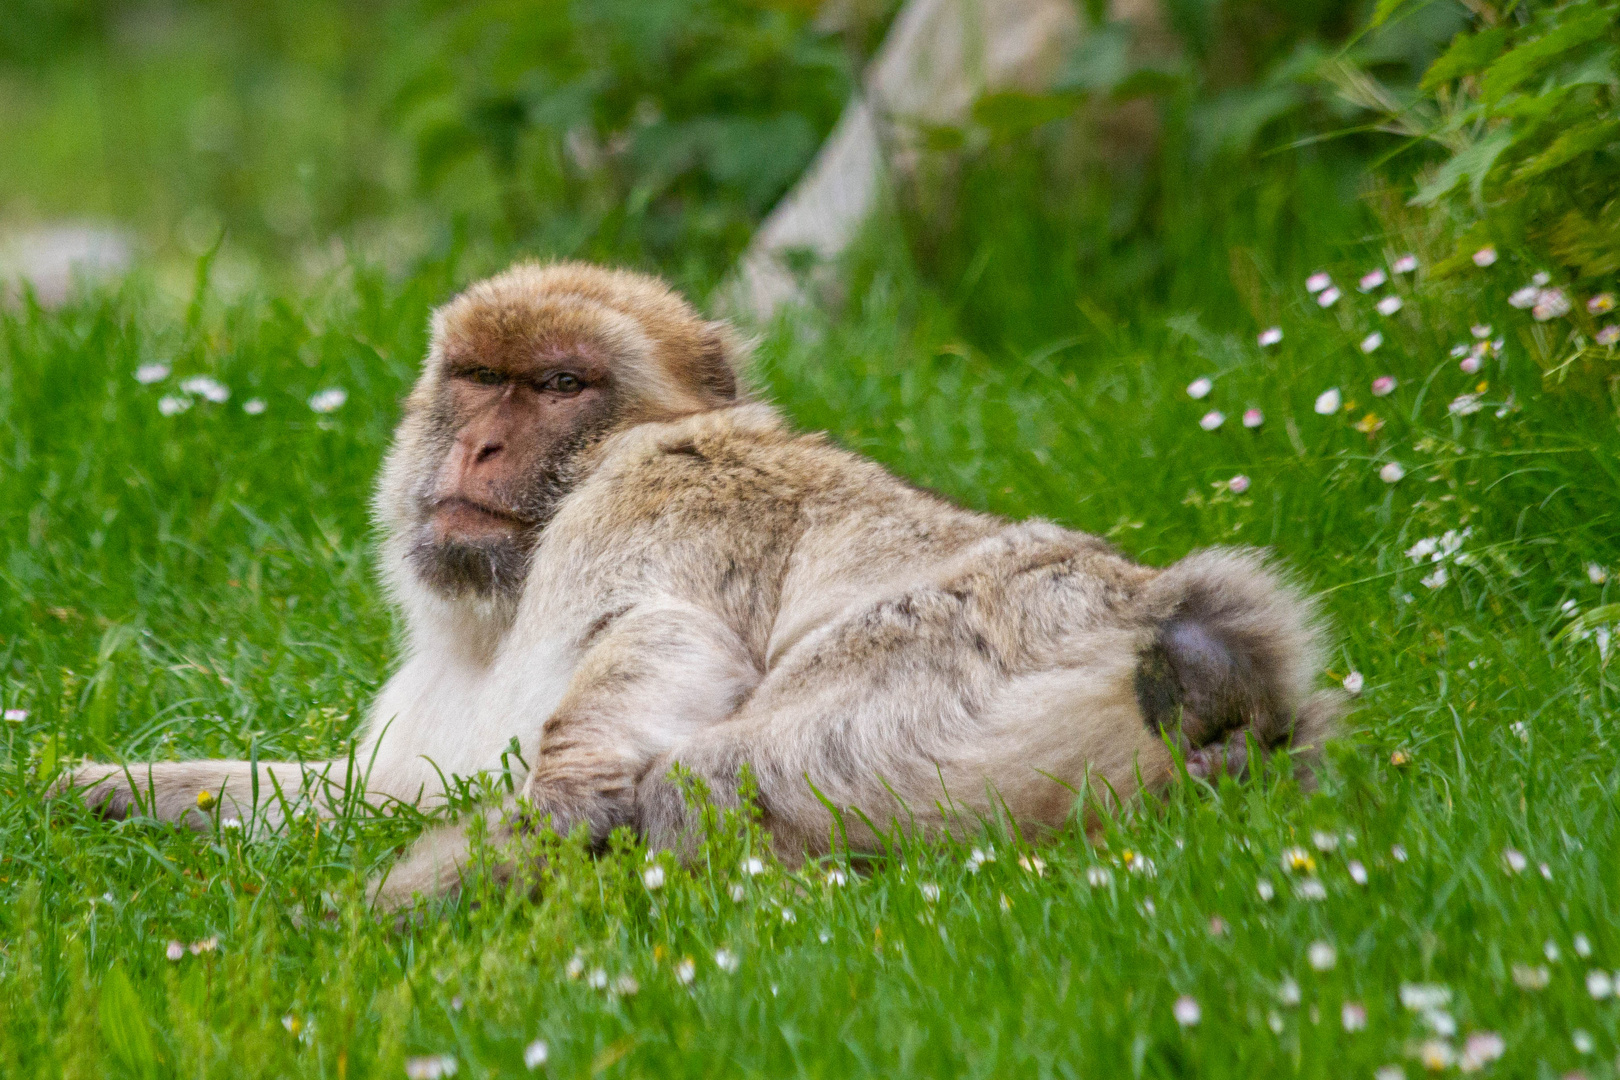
column 1226, row 142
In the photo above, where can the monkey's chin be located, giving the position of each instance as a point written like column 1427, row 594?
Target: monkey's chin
column 482, row 567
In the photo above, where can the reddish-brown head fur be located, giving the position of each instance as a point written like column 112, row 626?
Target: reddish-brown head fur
column 526, row 372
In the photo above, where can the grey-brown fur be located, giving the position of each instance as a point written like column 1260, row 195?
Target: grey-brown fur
column 702, row 584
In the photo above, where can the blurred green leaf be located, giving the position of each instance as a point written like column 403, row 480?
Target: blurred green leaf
column 1570, row 145
column 1011, row 113
column 1527, row 58
column 123, row 1024
column 1473, row 164
column 1468, row 53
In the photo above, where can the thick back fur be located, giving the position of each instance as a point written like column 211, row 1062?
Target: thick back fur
column 710, row 588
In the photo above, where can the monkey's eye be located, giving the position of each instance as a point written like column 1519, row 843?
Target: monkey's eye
column 565, row 383
column 483, row 376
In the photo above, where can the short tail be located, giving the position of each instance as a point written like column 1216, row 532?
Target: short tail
column 1235, row 652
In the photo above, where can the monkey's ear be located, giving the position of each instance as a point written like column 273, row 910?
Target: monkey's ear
column 723, row 357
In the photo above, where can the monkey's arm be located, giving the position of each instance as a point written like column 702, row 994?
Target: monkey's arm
column 170, row 790
column 649, row 681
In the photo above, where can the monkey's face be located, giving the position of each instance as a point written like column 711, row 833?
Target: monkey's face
column 509, row 424
column 527, row 372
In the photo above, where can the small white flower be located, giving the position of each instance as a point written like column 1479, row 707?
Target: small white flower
column 1389, row 305
column 653, row 878
column 535, row 1055
column 1328, row 297
column 204, row 387
column 1480, row 1049
column 1485, row 256
column 175, row 951
column 1383, row 386
column 836, row 876
column 1582, row 1041
column 1327, row 402
column 1435, row 580
column 331, row 400
column 1310, row 889
column 1405, row 264
column 1609, row 335
column 1469, row 365
column 1522, row 730
column 726, row 960
column 1546, row 871
column 1266, row 890
column 253, row 406
column 1371, row 342
column 147, row 374
column 1600, row 984
column 15, row 716
column 1288, row 993
column 173, row 405
column 1540, row 278
column 1353, row 1016
column 1596, row 574
column 431, row 1067
column 1550, row 951
column 753, row 866
column 1423, row 549
column 1398, row 852
column 1296, row 860
column 1200, row 388
column 1322, row 956
column 1187, row 1011
column 738, row 893
column 1550, row 304
column 575, row 967
column 1253, row 418
column 1583, row 946
column 1514, row 860
column 1270, row 336
column 1371, row 280
column 685, row 971
column 1098, row 877
column 1425, row 997
column 1525, row 297
column 930, row 892
column 625, row 986
column 1317, row 282
column 1238, row 484
column 1324, row 841
column 230, row 823
column 1212, row 420
column 597, row 979
column 1140, row 864
column 1033, row 864
column 1392, row 472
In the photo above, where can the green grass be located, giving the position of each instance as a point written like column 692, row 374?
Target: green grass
column 203, row 584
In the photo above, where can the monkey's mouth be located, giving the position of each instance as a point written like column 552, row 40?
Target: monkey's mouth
column 461, row 519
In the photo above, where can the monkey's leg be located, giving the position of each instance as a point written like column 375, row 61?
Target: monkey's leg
column 649, row 680
column 179, row 790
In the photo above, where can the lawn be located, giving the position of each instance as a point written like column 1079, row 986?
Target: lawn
column 181, row 576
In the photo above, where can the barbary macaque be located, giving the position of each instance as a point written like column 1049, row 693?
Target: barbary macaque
column 604, row 547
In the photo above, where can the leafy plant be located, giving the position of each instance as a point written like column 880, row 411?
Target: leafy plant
column 647, row 130
column 1526, row 104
